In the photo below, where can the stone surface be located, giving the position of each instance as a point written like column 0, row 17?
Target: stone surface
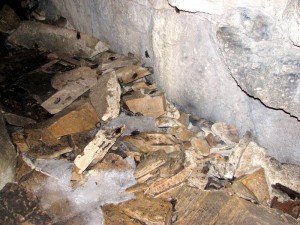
column 149, row 142
column 70, row 89
column 148, row 105
column 105, row 96
column 200, row 145
column 190, row 70
column 111, row 162
column 253, row 45
column 228, row 133
column 78, row 117
column 7, row 156
column 16, row 120
column 290, row 207
column 255, row 157
column 18, row 206
column 211, row 207
column 112, row 214
column 56, row 39
column 60, row 80
column 131, row 73
column 166, row 184
column 96, row 149
column 257, row 184
column 109, row 61
column 151, row 162
column 173, row 165
column 163, row 121
column 236, row 154
column 147, row 210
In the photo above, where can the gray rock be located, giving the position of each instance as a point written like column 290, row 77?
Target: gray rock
column 56, row 39
column 261, row 60
column 7, row 156
column 255, row 157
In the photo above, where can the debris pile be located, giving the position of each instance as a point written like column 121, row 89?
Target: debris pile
column 88, row 116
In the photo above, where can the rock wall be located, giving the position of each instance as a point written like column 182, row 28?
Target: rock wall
column 235, row 61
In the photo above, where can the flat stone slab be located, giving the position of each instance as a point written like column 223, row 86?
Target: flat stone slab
column 220, row 207
column 18, row 206
column 70, row 86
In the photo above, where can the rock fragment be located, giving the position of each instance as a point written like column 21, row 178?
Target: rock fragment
column 151, row 162
column 72, row 85
column 173, row 165
column 257, row 184
column 112, row 214
column 228, row 133
column 255, row 157
column 16, row 120
column 111, row 162
column 78, row 117
column 200, row 145
column 235, row 156
column 109, row 61
column 56, row 39
column 290, row 207
column 165, row 184
column 147, row 210
column 148, row 142
column 163, row 121
column 194, row 205
column 153, row 104
column 18, row 206
column 105, row 96
column 96, row 149
column 131, row 73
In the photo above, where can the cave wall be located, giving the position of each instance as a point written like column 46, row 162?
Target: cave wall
column 237, row 61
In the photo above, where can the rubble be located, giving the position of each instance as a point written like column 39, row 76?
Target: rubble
column 16, row 120
column 235, row 156
column 96, row 149
column 18, row 206
column 70, row 86
column 56, row 39
column 290, row 207
column 255, row 157
column 228, row 133
column 194, row 205
column 148, row 105
column 151, row 162
column 78, row 117
column 105, row 96
column 109, row 61
column 150, row 142
column 114, row 136
column 131, row 73
column 113, row 214
column 148, row 210
column 257, row 184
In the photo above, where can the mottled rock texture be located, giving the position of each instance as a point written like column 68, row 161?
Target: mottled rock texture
column 234, row 61
column 7, row 156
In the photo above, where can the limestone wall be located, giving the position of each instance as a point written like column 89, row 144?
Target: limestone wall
column 230, row 61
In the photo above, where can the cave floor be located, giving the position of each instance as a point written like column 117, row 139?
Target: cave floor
column 97, row 142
